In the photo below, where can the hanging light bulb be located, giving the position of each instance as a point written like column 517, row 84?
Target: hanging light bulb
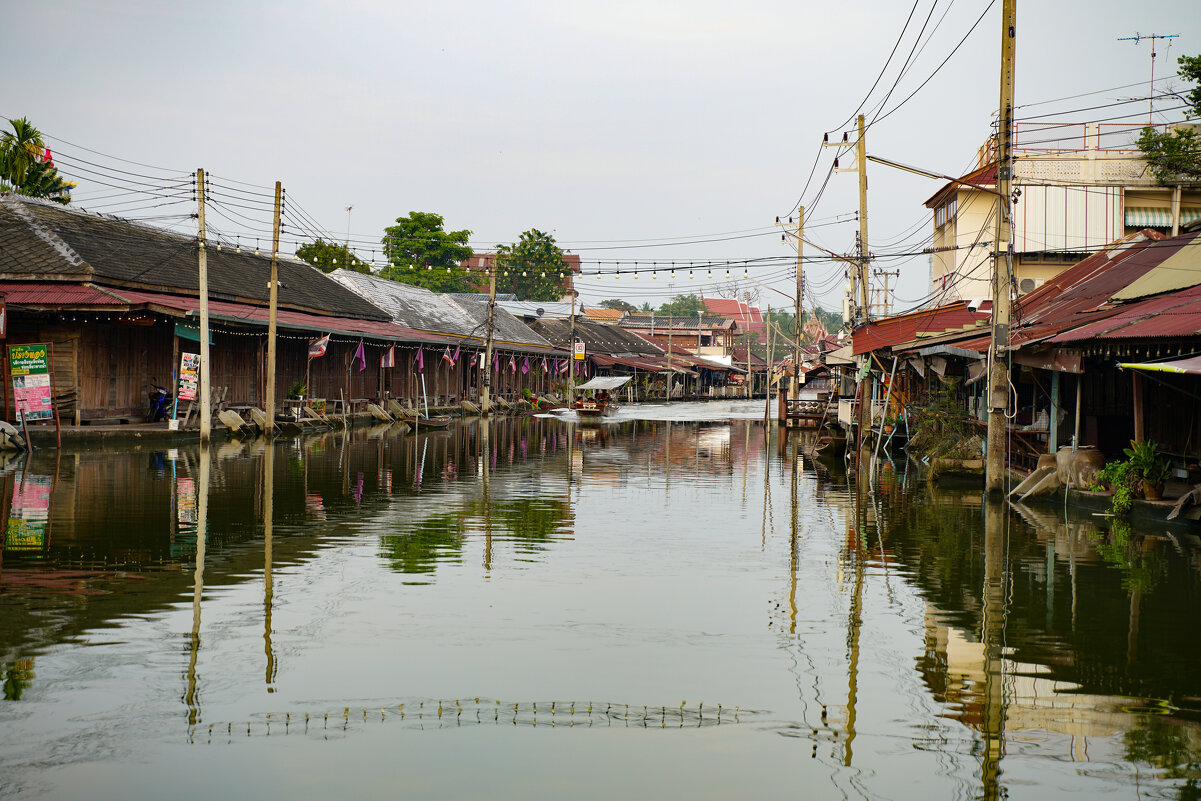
column 544, row 273
column 654, row 276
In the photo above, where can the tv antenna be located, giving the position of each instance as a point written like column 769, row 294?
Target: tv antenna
column 1151, row 37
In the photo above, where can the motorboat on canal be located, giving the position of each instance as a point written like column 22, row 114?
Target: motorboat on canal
column 598, row 403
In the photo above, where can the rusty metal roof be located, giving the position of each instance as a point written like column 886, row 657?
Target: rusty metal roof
column 907, row 327
column 1081, row 295
column 59, row 295
column 1166, row 317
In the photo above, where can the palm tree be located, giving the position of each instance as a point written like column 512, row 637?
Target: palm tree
column 19, row 149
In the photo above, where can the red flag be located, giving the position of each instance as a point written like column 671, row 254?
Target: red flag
column 47, row 159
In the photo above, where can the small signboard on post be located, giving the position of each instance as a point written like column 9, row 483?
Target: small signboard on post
column 578, row 351
column 29, row 366
column 189, row 376
column 33, row 384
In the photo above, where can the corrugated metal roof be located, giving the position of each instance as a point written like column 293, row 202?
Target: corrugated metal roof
column 1180, row 270
column 904, row 328
column 59, row 295
column 1080, row 295
column 1168, row 316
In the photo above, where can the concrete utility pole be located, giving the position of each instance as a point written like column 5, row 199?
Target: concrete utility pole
column 272, row 314
column 206, row 380
column 485, row 401
column 998, row 373
column 865, row 254
column 571, row 356
column 794, row 385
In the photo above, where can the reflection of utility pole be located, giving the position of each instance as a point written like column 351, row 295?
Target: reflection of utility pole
column 268, row 583
column 486, row 472
column 992, row 638
column 202, row 513
column 855, row 621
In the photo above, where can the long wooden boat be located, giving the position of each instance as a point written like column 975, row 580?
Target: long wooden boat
column 598, row 404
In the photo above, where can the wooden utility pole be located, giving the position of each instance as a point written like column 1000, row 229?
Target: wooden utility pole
column 272, row 308
column 206, row 380
column 485, row 400
column 998, row 372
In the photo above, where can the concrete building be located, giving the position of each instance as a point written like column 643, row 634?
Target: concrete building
column 1082, row 186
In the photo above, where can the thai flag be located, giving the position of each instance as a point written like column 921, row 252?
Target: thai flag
column 512, row 364
column 317, row 347
column 388, row 357
column 446, row 357
column 544, row 364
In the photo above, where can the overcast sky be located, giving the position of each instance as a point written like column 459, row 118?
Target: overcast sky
column 675, row 130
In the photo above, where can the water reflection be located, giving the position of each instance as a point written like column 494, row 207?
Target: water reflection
column 518, row 571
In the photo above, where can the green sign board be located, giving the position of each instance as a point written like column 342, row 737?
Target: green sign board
column 29, row 365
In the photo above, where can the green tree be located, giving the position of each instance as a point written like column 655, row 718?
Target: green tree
column 21, row 166
column 683, row 306
column 618, row 305
column 328, row 256
column 1175, row 155
column 532, row 268
column 421, row 253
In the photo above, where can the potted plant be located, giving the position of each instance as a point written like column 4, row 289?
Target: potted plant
column 1153, row 470
column 297, row 390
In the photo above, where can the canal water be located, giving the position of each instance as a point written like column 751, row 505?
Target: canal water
column 676, row 604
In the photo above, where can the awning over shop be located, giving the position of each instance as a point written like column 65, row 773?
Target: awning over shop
column 605, row 382
column 1189, row 366
column 1140, row 217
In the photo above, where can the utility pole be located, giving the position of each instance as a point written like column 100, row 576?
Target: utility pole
column 1138, row 37
column 272, row 313
column 864, row 257
column 571, row 356
column 206, row 380
column 671, row 376
column 485, row 401
column 998, row 372
column 794, row 386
